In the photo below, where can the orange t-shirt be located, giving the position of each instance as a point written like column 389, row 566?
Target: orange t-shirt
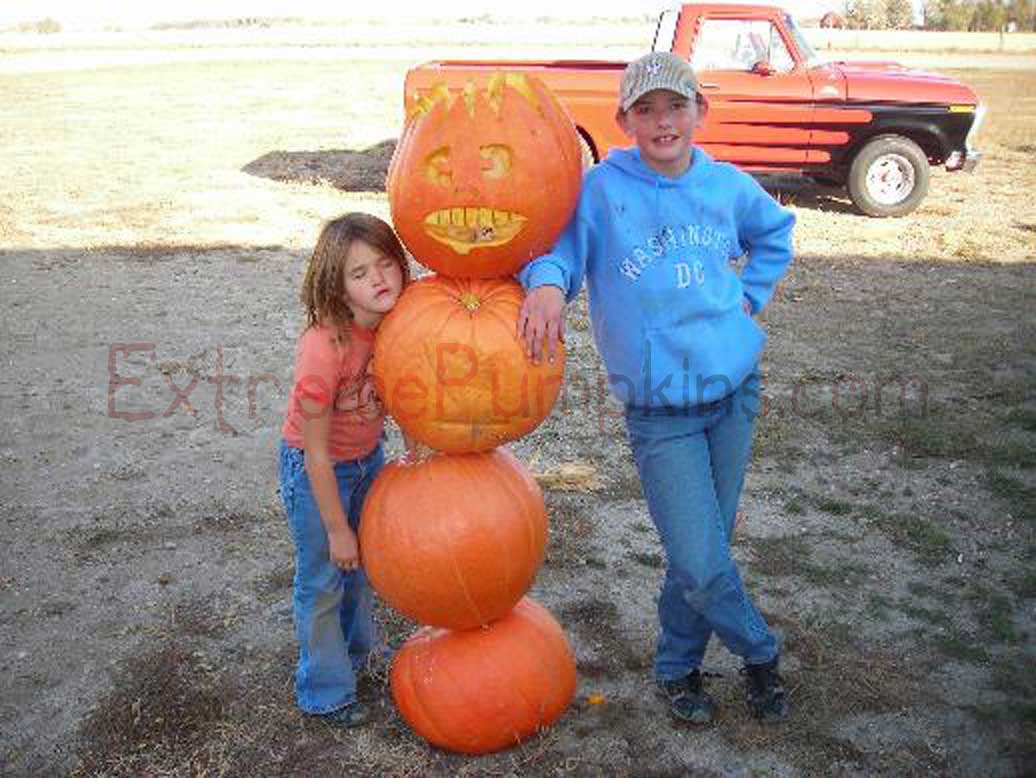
column 337, row 375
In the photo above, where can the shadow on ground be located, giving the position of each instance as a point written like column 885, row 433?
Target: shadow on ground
column 345, row 169
column 365, row 171
column 804, row 192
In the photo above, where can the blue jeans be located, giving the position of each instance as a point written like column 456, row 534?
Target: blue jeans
column 334, row 610
column 692, row 463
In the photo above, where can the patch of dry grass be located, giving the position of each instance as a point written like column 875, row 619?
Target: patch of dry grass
column 571, row 528
column 838, row 676
column 173, row 711
column 599, row 624
column 568, row 477
column 163, row 707
column 275, row 584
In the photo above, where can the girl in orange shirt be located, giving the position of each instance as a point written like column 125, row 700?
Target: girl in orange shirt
column 330, row 454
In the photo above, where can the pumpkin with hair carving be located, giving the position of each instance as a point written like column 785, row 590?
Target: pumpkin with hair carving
column 484, row 178
column 481, row 690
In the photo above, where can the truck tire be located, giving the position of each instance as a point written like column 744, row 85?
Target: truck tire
column 889, row 176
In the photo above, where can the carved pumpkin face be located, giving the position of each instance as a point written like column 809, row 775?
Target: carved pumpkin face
column 483, row 180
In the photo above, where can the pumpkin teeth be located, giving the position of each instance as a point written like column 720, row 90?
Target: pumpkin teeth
column 464, row 229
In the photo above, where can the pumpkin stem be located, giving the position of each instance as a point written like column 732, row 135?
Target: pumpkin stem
column 471, row 301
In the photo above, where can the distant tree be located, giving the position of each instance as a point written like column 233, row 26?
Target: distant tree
column 46, row 26
column 899, row 14
column 1023, row 14
column 989, row 15
column 866, row 14
column 934, row 18
column 852, row 15
column 928, row 14
column 949, row 14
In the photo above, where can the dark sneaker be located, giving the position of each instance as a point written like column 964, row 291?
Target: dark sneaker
column 352, row 715
column 688, row 701
column 764, row 691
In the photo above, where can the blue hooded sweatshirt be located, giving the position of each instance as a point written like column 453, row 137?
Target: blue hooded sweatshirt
column 658, row 256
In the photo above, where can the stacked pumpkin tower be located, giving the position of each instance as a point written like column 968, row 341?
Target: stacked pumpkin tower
column 484, row 179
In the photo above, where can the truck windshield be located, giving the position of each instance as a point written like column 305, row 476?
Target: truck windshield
column 809, row 56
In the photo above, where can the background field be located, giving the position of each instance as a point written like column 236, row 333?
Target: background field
column 145, row 591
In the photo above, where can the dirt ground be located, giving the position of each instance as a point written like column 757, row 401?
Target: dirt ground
column 159, row 202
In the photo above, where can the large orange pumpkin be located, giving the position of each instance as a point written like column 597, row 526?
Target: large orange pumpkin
column 485, row 178
column 456, row 540
column 476, row 691
column 451, row 370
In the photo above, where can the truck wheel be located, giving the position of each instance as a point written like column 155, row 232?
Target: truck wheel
column 889, row 176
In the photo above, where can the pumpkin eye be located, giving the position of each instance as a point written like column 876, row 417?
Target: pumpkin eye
column 437, row 167
column 497, row 160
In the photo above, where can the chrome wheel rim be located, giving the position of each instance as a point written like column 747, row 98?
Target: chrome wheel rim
column 890, row 179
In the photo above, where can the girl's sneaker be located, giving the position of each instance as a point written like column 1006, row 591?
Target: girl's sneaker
column 352, row 715
column 764, row 690
column 688, row 701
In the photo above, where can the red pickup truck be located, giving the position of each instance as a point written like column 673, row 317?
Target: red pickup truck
column 774, row 106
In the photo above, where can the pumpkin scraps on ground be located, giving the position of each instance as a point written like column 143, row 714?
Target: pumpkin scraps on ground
column 484, row 179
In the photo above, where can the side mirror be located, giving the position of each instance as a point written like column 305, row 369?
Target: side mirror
column 762, row 68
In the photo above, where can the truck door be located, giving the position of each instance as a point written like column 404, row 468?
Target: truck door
column 761, row 100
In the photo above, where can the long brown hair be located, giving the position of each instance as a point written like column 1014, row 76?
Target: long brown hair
column 323, row 290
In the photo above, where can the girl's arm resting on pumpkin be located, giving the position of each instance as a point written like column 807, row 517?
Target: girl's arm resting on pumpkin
column 765, row 233
column 316, row 430
column 550, row 281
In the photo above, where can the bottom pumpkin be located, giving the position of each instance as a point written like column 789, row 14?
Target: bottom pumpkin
column 480, row 690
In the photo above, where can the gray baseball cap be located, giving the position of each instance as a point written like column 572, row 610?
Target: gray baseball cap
column 657, row 70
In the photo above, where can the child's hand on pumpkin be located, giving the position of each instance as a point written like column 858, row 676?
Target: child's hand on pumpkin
column 542, row 317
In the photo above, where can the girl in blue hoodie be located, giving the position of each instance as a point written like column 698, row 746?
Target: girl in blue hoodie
column 655, row 235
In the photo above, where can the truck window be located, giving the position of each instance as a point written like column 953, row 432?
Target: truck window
column 737, row 44
column 806, row 52
column 665, row 32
